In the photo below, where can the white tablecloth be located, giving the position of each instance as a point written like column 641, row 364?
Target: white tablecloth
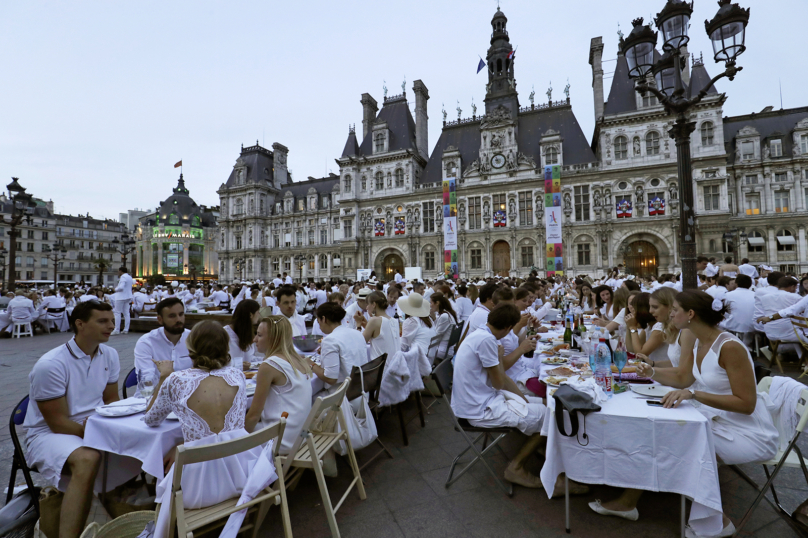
column 633, row 445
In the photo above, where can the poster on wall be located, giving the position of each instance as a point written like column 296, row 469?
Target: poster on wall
column 172, row 260
column 378, row 228
column 554, row 259
column 400, row 226
column 362, row 274
column 624, row 209
column 656, row 206
column 500, row 219
column 450, row 265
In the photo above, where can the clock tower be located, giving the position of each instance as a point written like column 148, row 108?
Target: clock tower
column 501, row 88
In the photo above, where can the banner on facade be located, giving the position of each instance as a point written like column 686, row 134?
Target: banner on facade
column 500, row 218
column 656, row 206
column 624, row 209
column 378, row 228
column 400, row 227
column 554, row 258
column 450, row 266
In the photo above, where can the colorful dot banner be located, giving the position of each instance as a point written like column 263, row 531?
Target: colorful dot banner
column 554, row 259
column 450, row 265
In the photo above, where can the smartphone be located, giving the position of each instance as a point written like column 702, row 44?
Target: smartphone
column 655, row 403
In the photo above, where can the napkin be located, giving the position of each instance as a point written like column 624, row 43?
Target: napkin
column 517, row 404
column 587, row 386
column 127, row 402
column 122, row 407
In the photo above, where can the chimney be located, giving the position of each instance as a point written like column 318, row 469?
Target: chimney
column 369, row 109
column 279, row 164
column 686, row 71
column 596, row 61
column 421, row 118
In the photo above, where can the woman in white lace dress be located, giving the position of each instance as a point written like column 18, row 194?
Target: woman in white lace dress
column 209, row 400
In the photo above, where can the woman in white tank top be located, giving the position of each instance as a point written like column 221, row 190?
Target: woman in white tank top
column 282, row 382
column 382, row 332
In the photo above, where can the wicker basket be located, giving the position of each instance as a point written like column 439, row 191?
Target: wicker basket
column 126, row 526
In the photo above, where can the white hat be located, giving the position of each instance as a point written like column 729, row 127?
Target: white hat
column 363, row 293
column 174, row 284
column 409, row 285
column 765, row 267
column 414, row 305
column 480, row 283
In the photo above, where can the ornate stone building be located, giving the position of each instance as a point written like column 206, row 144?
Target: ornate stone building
column 178, row 240
column 384, row 210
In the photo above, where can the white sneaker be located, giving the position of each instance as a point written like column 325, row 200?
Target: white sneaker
column 113, row 333
column 729, row 530
column 125, row 332
column 631, row 515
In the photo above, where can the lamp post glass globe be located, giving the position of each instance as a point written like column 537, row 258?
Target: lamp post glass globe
column 639, row 49
column 727, row 31
column 674, row 22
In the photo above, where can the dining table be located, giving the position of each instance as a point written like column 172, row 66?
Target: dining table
column 631, row 444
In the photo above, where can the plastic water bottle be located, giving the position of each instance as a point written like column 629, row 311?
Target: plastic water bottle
column 603, row 365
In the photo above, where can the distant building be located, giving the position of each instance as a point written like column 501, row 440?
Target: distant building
column 177, row 240
column 131, row 218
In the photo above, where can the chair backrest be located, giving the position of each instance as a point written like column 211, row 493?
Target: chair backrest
column 800, row 326
column 802, row 401
column 443, row 376
column 332, row 402
column 18, row 413
column 371, row 373
column 456, row 333
column 56, row 310
column 129, row 382
column 215, row 451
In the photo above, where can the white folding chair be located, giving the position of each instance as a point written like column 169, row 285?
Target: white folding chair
column 790, row 457
column 21, row 329
column 318, row 441
column 187, row 521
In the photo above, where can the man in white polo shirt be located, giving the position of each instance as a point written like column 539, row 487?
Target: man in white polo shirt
column 67, row 384
column 479, row 316
column 165, row 343
column 287, row 306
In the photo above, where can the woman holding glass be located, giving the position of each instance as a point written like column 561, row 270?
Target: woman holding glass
column 241, row 331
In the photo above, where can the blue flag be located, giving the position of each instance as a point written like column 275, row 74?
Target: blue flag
column 480, row 65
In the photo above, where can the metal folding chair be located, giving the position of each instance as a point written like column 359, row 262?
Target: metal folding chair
column 129, row 382
column 372, row 374
column 790, row 457
column 454, row 338
column 800, row 326
column 443, row 376
column 18, row 458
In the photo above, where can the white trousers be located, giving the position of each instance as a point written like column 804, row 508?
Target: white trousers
column 121, row 307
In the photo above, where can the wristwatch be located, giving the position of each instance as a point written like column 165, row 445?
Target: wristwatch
column 633, row 330
column 692, row 393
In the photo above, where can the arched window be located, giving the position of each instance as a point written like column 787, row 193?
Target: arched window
column 785, row 241
column 551, row 155
column 712, row 245
column 379, row 143
column 451, row 169
column 239, row 208
column 379, row 180
column 621, row 147
column 173, row 218
column 346, row 184
column 323, row 262
column 707, row 133
column 399, row 177
column 499, row 67
column 756, row 242
column 197, row 221
column 652, row 143
column 311, row 263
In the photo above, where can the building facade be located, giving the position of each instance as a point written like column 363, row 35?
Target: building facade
column 619, row 189
column 177, row 240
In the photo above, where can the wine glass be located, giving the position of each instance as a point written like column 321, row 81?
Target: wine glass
column 145, row 383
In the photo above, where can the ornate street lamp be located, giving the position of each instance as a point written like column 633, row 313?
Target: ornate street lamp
column 727, row 31
column 301, row 259
column 3, row 253
column 21, row 209
column 58, row 253
column 124, row 246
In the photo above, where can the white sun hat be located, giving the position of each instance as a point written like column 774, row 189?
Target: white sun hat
column 414, row 305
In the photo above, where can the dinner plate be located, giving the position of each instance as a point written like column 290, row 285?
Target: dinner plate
column 554, row 360
column 250, row 390
column 172, row 416
column 651, row 391
column 549, row 381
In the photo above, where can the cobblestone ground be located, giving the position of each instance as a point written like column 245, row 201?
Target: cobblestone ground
column 406, row 496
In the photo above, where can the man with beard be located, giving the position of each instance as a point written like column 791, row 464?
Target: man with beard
column 167, row 342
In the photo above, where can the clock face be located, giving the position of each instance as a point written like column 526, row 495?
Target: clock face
column 498, row 161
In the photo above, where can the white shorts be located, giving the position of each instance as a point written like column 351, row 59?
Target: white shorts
column 48, row 453
column 499, row 414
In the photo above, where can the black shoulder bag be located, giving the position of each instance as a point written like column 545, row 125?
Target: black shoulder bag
column 574, row 402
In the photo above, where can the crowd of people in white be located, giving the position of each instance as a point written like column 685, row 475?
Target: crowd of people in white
column 693, row 340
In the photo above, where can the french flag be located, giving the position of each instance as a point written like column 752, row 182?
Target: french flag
column 511, row 54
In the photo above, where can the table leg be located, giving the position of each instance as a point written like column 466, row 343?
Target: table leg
column 105, row 464
column 682, row 516
column 567, row 501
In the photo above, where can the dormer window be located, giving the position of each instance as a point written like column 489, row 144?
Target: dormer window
column 451, row 169
column 399, row 177
column 325, row 202
column 707, row 134
column 748, row 150
column 313, row 202
column 196, row 221
column 301, row 204
column 776, row 147
column 346, row 184
column 379, row 143
column 551, row 155
column 278, row 208
column 379, row 180
column 173, row 218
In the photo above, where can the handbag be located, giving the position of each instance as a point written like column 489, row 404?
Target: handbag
column 358, row 421
column 574, row 402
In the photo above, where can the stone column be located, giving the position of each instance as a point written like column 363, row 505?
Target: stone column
column 802, row 255
column 768, row 202
column 185, row 256
column 330, row 270
column 798, row 193
column 159, row 258
column 771, row 247
column 740, row 205
column 610, row 249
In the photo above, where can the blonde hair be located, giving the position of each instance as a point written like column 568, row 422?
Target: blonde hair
column 279, row 334
column 473, row 292
column 208, row 345
column 621, row 299
column 665, row 296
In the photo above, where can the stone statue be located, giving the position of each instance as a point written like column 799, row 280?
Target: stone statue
column 567, row 200
column 443, row 110
column 511, row 160
column 619, row 32
column 639, row 193
column 674, row 191
column 637, row 150
column 404, row 85
column 550, row 92
column 567, row 89
column 486, row 210
column 512, row 210
column 738, row 153
column 473, row 107
column 766, row 152
column 459, row 111
column 532, row 94
column 596, row 198
column 384, row 86
column 796, row 150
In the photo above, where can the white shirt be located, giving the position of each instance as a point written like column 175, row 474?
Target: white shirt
column 321, row 297
column 219, row 296
column 21, row 308
column 759, row 311
column 414, row 332
column 237, row 356
column 477, row 319
column 741, row 303
column 772, row 303
column 716, row 292
column 277, row 282
column 123, row 291
column 748, row 270
column 297, row 321
column 392, row 310
column 288, row 280
column 155, row 346
column 399, row 278
column 348, row 320
column 340, row 351
column 471, row 391
column 797, row 309
column 68, row 371
column 464, row 308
